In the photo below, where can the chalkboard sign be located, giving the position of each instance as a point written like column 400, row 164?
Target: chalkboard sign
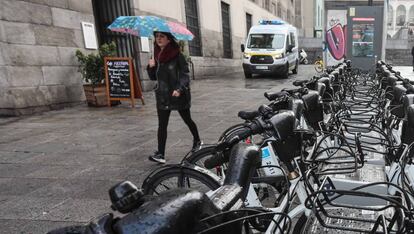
column 119, row 77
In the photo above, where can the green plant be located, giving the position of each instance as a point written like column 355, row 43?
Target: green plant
column 91, row 66
column 184, row 51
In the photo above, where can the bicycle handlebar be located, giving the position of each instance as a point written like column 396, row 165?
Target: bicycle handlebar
column 285, row 92
column 252, row 128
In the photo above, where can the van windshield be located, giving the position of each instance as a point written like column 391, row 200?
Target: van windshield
column 266, row 41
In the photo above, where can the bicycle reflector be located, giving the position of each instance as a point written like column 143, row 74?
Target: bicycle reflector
column 271, row 22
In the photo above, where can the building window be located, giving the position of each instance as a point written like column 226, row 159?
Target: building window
column 279, row 10
column 248, row 22
column 191, row 16
column 266, row 4
column 390, row 16
column 401, row 13
column 274, row 8
column 292, row 39
column 411, row 16
column 227, row 42
column 288, row 16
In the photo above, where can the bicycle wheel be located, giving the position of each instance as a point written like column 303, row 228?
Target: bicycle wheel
column 179, row 176
column 198, row 157
column 231, row 131
column 318, row 66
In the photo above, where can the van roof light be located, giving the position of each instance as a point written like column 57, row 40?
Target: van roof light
column 271, row 22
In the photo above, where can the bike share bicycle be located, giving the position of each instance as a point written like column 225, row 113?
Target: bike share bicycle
column 356, row 123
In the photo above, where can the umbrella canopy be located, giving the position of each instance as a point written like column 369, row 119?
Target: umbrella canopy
column 145, row 26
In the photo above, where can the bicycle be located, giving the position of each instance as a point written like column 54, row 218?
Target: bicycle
column 320, row 199
column 319, row 65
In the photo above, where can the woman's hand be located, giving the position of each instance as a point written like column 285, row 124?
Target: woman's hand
column 151, row 63
column 176, row 93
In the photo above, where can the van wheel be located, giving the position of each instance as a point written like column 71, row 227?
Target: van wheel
column 295, row 71
column 285, row 74
column 247, row 75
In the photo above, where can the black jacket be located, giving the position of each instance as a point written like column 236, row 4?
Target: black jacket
column 170, row 76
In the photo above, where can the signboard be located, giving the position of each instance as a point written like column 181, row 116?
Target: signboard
column 89, row 35
column 335, row 37
column 145, row 46
column 119, row 80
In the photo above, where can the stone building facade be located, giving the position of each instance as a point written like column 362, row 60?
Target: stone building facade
column 38, row 40
column 400, row 15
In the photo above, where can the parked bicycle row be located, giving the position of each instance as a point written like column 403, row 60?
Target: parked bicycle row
column 332, row 155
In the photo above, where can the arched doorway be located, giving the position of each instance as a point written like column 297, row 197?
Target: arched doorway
column 401, row 15
column 411, row 16
column 105, row 12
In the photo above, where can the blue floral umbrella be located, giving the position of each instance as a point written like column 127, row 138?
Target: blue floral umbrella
column 144, row 26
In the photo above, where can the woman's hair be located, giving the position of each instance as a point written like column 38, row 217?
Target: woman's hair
column 170, row 37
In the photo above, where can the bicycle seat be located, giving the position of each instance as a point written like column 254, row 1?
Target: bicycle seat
column 273, row 95
column 173, row 211
column 300, row 83
column 248, row 115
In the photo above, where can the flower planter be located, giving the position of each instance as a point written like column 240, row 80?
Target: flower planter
column 95, row 95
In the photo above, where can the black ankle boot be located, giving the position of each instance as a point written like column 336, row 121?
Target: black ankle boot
column 157, row 157
column 196, row 145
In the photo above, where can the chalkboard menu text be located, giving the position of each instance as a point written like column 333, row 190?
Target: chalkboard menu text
column 119, row 77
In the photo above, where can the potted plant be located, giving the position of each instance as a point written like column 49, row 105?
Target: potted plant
column 91, row 67
column 187, row 57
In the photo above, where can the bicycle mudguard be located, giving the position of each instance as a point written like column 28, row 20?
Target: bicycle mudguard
column 297, row 106
column 407, row 135
column 327, row 96
column 407, row 100
column 175, row 211
column 398, row 94
column 244, row 159
column 185, row 165
column 288, row 142
column 313, row 108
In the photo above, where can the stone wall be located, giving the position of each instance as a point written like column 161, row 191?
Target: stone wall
column 312, row 47
column 399, row 57
column 38, row 40
column 398, row 51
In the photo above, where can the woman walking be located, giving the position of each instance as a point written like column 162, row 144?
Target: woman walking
column 172, row 92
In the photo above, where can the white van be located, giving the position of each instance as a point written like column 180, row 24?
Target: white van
column 271, row 48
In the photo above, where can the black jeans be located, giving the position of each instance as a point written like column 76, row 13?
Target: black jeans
column 163, row 117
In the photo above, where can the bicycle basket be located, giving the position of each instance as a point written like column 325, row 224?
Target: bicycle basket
column 367, row 208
